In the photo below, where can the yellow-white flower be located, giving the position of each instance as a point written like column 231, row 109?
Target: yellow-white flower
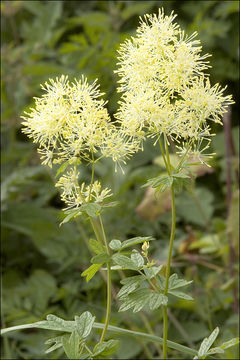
column 165, row 89
column 75, row 195
column 70, row 121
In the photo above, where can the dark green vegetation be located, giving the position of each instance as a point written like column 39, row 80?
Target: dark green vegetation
column 42, row 263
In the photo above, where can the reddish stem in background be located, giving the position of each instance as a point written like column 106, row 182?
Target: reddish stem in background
column 230, row 151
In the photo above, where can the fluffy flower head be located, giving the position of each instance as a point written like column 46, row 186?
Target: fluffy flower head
column 74, row 194
column 165, row 89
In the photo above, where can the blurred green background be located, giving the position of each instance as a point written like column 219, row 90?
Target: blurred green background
column 42, row 263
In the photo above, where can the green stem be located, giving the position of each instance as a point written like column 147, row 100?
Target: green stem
column 109, row 290
column 163, row 155
column 165, row 317
column 95, row 229
column 113, row 329
column 92, row 178
column 183, row 158
column 149, row 280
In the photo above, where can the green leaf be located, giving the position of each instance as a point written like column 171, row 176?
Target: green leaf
column 180, row 294
column 137, row 259
column 115, row 244
column 207, row 343
column 71, row 345
column 157, row 300
column 153, row 271
column 187, row 206
column 91, row 271
column 136, row 300
column 132, row 279
column 175, row 283
column 62, row 168
column 70, row 214
column 96, row 246
column 135, row 240
column 160, row 182
column 181, row 180
column 101, row 258
column 55, row 323
column 92, row 209
column 124, row 261
column 55, row 343
column 232, row 342
column 181, row 175
column 84, row 324
column 131, row 284
column 216, row 350
column 106, row 348
column 136, row 9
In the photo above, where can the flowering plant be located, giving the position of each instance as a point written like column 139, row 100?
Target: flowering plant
column 166, row 96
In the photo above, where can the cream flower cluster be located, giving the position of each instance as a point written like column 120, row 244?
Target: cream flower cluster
column 70, row 122
column 75, row 195
column 165, row 89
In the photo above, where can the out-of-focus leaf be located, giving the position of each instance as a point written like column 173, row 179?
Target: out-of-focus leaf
column 153, row 206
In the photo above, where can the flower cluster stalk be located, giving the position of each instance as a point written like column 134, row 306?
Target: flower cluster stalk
column 168, row 267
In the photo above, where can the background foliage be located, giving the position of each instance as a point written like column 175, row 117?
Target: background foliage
column 42, row 263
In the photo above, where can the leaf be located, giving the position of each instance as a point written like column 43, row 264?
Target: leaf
column 132, row 284
column 56, row 343
column 137, row 259
column 55, row 323
column 101, row 258
column 154, row 205
column 135, row 240
column 71, row 214
column 62, row 168
column 136, row 9
column 207, row 244
column 115, row 244
column 216, row 350
column 180, row 294
column 181, row 175
column 84, row 324
column 132, row 279
column 160, row 182
column 232, row 342
column 113, row 329
column 91, row 271
column 153, row 271
column 71, row 345
column 157, row 300
column 106, row 348
column 187, row 206
column 137, row 300
column 207, row 342
column 124, row 261
column 175, row 283
column 180, row 181
column 92, row 209
column 96, row 246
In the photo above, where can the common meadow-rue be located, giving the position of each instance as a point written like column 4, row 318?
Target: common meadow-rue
column 70, row 121
column 164, row 84
column 166, row 94
column 71, row 124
